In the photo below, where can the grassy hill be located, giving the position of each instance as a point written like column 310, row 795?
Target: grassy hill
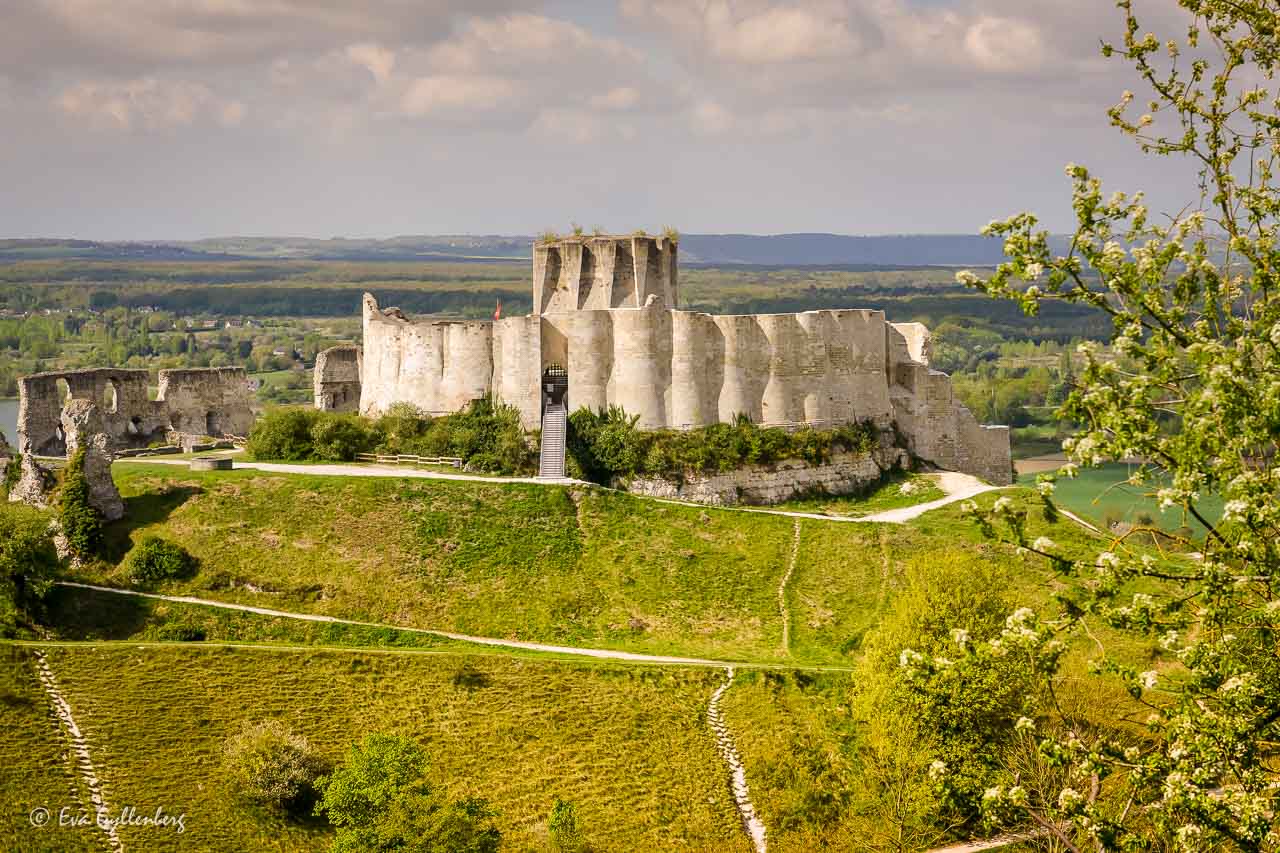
column 561, row 565
column 628, row 743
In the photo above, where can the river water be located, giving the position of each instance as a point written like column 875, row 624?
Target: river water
column 9, row 420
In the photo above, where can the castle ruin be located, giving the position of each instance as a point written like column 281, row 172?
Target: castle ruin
column 200, row 401
column 604, row 312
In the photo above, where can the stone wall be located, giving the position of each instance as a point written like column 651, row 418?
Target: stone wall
column 763, row 485
column 438, row 366
column 336, row 379
column 208, row 401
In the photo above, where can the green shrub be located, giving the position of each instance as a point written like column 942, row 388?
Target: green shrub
column 270, row 765
column 155, row 559
column 283, row 435
column 28, row 565
column 564, row 829
column 12, row 473
column 339, row 438
column 180, row 632
column 607, row 444
column 487, row 436
column 81, row 522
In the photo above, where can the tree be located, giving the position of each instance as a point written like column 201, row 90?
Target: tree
column 28, row 564
column 1195, row 391
column 380, row 799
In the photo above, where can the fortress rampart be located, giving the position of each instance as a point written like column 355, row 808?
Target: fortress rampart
column 604, row 310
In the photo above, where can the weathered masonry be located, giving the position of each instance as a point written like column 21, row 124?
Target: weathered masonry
column 337, row 379
column 604, row 311
column 204, row 401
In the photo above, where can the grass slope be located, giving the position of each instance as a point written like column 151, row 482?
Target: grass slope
column 628, row 745
column 36, row 763
column 585, row 567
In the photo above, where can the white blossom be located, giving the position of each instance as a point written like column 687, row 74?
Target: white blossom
column 1148, row 679
column 1234, row 510
column 1044, row 543
column 1025, row 724
column 961, row 636
column 1069, row 798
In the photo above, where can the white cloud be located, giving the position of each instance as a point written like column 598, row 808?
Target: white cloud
column 146, row 103
column 777, row 34
column 439, row 93
column 711, row 119
column 377, row 60
column 1004, row 44
column 619, row 98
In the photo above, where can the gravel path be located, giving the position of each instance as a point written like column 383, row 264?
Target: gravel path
column 605, row 654
column 340, row 470
column 81, row 750
column 737, row 773
column 957, row 487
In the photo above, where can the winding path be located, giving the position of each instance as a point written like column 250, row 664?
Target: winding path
column 575, row 651
column 737, row 773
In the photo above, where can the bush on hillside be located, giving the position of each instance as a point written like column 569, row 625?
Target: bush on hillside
column 155, row 559
column 487, row 436
column 301, row 435
column 81, row 523
column 272, row 766
column 28, row 565
column 964, row 711
column 380, row 799
column 564, row 828
column 608, row 443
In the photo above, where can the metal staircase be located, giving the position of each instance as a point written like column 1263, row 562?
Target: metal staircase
column 551, row 460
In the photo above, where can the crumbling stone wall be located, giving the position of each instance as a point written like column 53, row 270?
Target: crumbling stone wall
column 206, row 401
column 764, row 485
column 82, row 423
column 336, row 379
column 213, row 401
column 602, row 272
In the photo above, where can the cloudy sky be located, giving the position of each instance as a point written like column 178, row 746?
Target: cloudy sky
column 188, row 118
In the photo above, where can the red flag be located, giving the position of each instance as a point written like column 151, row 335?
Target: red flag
column 497, row 312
